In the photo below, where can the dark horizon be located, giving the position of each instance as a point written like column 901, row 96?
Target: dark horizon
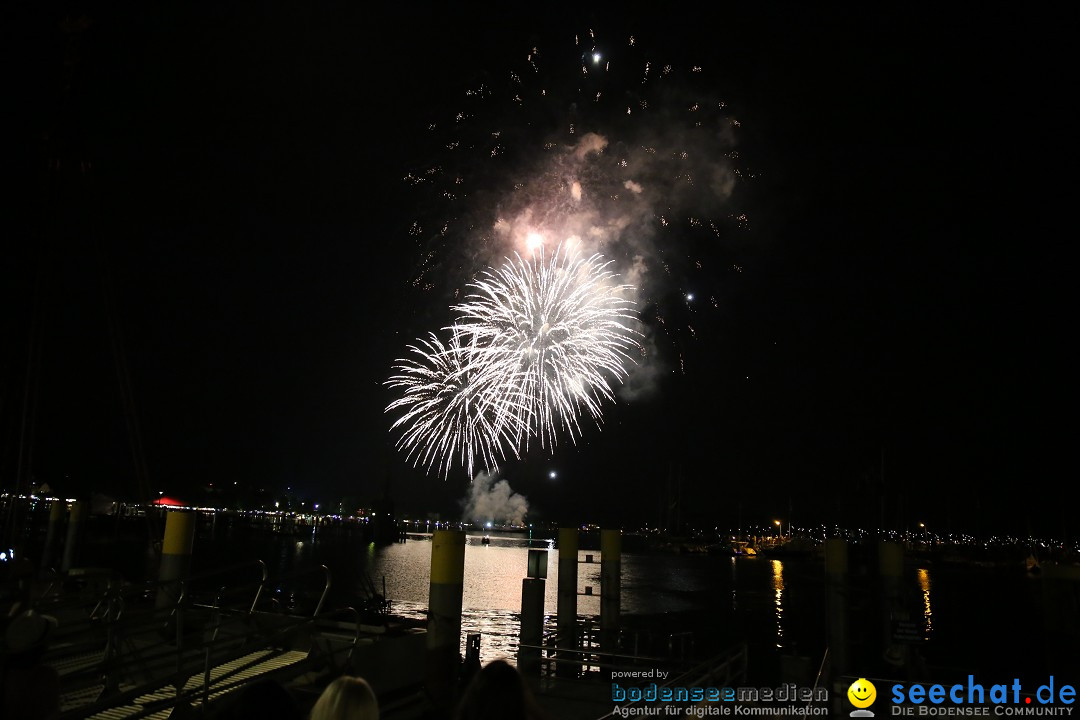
column 215, row 198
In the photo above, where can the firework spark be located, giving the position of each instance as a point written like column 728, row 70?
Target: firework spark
column 561, row 328
column 538, row 343
column 454, row 408
column 621, row 157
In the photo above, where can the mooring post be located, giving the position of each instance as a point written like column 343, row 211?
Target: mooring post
column 610, row 588
column 74, row 535
column 56, row 513
column 567, row 625
column 175, row 556
column 890, row 570
column 532, row 625
column 444, row 613
column 836, row 588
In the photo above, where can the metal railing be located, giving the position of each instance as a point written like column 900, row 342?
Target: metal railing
column 199, row 636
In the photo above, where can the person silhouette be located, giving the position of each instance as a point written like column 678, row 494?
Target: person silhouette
column 498, row 692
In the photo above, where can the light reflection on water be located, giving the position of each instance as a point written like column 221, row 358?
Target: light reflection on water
column 928, row 613
column 652, row 583
column 775, row 605
column 778, row 592
column 491, row 595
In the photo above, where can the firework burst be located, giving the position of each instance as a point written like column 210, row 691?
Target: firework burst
column 560, row 328
column 538, row 343
column 590, row 163
column 454, row 407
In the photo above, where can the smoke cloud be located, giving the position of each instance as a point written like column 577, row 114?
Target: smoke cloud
column 494, row 502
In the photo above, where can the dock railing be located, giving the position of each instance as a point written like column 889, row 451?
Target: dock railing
column 204, row 644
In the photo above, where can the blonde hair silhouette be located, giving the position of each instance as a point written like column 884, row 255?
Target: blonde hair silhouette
column 347, row 698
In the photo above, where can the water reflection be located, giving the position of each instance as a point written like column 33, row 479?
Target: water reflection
column 778, row 600
column 928, row 613
column 491, row 593
column 734, row 585
column 746, row 603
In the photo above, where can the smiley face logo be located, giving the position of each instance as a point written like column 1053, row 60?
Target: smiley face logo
column 862, row 693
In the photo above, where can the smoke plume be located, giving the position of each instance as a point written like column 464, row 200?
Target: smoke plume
column 494, row 502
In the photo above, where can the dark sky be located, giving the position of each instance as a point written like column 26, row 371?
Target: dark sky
column 223, row 187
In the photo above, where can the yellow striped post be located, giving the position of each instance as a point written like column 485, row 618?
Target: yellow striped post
column 175, row 555
column 567, row 602
column 610, row 587
column 444, row 612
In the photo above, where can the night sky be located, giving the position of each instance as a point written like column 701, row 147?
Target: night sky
column 223, row 188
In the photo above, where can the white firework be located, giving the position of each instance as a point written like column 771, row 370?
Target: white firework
column 538, row 343
column 560, row 328
column 454, row 409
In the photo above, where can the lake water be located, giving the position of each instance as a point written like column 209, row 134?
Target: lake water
column 982, row 620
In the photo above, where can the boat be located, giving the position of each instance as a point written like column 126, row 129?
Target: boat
column 741, row 548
